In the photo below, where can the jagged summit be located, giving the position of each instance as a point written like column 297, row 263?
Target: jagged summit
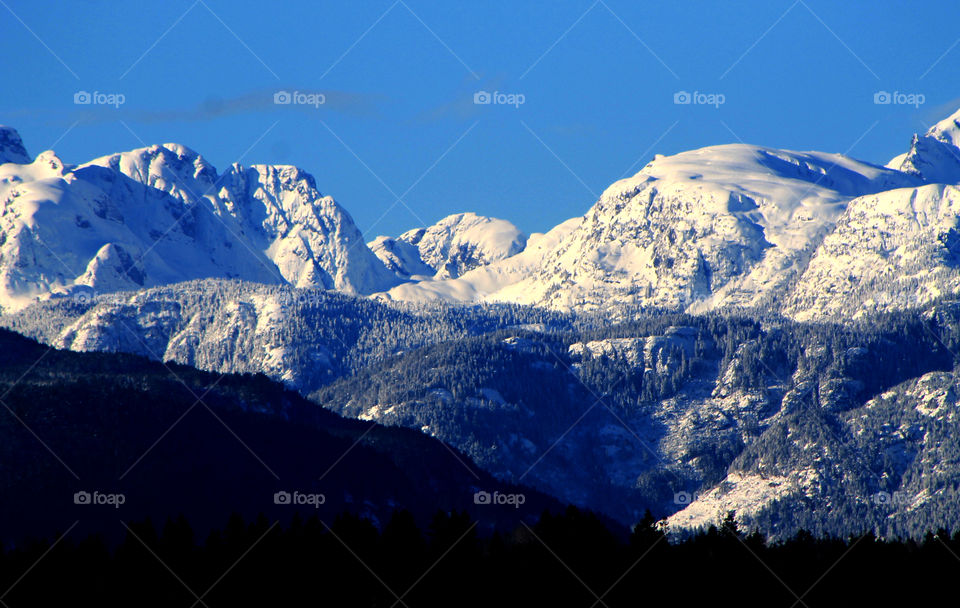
column 935, row 156
column 162, row 214
column 12, row 149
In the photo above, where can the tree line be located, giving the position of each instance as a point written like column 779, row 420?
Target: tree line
column 564, row 559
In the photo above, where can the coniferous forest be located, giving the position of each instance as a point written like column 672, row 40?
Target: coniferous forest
column 569, row 558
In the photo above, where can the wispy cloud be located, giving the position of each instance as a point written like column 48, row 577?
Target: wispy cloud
column 212, row 108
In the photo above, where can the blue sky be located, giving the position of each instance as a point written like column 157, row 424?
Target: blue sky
column 597, row 81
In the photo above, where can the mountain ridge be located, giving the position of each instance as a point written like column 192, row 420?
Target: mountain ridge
column 162, row 214
column 728, row 227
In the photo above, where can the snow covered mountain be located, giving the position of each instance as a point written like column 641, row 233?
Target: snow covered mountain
column 401, row 257
column 811, row 234
column 935, row 156
column 890, row 251
column 11, row 147
column 491, row 282
column 721, row 226
column 453, row 246
column 505, row 401
column 731, row 226
column 161, row 214
column 680, row 402
column 301, row 337
column 724, row 227
column 888, row 465
column 616, row 417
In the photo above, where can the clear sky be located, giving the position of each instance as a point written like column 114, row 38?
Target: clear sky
column 597, row 79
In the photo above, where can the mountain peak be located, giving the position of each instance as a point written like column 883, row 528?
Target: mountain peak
column 947, row 130
column 161, row 214
column 309, row 236
column 172, row 168
column 49, row 161
column 11, row 147
column 454, row 245
column 724, row 225
column 935, row 155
